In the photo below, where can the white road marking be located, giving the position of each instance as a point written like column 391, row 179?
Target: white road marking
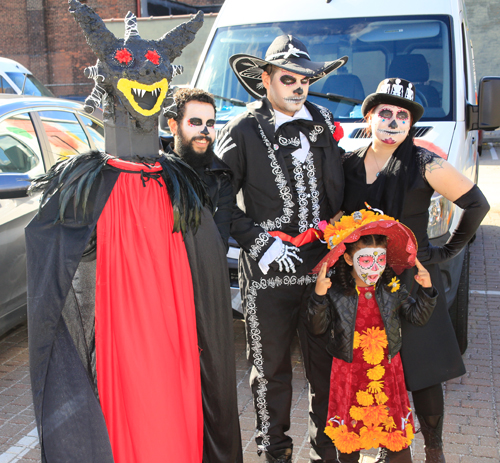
column 482, row 293
column 21, row 448
column 493, row 152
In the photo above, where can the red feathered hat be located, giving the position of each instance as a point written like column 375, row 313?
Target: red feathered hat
column 401, row 242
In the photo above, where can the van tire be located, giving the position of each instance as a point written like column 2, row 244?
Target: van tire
column 459, row 309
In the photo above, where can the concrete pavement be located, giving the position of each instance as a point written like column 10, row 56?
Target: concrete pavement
column 471, row 429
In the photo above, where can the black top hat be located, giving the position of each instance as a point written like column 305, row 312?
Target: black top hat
column 286, row 52
column 395, row 91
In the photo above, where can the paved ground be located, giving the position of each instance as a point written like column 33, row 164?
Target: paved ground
column 472, row 402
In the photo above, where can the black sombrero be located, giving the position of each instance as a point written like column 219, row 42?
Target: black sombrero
column 286, row 52
column 395, row 91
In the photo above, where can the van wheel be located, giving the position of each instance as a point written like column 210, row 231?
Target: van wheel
column 459, row 310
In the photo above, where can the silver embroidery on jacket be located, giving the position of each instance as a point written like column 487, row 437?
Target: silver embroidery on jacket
column 284, row 189
column 260, row 242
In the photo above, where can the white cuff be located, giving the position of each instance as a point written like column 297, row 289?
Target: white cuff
column 270, row 255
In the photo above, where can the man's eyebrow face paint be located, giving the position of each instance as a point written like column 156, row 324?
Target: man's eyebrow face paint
column 287, row 79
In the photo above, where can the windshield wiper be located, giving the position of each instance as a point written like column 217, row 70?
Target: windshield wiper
column 235, row 101
column 335, row 97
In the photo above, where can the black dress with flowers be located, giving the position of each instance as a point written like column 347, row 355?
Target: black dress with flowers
column 369, row 406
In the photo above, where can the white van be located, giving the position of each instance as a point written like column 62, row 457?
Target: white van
column 15, row 79
column 426, row 42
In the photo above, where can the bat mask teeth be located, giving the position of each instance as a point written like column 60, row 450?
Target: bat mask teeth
column 145, row 99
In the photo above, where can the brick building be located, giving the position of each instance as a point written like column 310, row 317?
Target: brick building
column 44, row 37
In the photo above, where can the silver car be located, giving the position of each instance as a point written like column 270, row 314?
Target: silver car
column 35, row 132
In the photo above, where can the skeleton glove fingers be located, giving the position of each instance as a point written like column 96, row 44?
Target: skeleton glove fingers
column 286, row 259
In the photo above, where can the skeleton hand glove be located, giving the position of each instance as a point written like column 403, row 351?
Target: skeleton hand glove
column 475, row 207
column 288, row 258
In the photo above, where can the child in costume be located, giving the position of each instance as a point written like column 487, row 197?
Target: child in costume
column 362, row 309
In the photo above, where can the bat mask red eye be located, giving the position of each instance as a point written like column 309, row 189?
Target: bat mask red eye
column 153, row 56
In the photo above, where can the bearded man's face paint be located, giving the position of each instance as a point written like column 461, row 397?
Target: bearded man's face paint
column 369, row 264
column 390, row 124
column 287, row 91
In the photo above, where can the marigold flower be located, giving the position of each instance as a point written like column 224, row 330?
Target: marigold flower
column 373, row 356
column 409, row 433
column 381, row 398
column 337, row 232
column 333, row 431
column 389, row 423
column 348, row 442
column 375, row 373
column 356, row 340
column 394, row 285
column 375, row 386
column 364, row 398
column 357, row 413
column 371, row 437
column 395, row 441
column 373, row 338
column 375, row 415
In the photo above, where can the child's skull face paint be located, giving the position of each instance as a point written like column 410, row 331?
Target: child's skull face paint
column 369, row 264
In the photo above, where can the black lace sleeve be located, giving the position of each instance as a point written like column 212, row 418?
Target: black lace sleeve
column 424, row 158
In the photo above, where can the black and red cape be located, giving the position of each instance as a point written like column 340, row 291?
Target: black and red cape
column 120, row 309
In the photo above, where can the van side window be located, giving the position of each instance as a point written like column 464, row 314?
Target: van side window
column 19, row 148
column 65, row 134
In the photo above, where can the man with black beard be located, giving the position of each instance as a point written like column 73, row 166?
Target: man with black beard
column 194, row 135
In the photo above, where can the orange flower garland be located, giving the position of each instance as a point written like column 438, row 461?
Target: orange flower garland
column 379, row 428
column 337, row 232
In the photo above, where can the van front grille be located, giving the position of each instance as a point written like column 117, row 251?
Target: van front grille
column 361, row 133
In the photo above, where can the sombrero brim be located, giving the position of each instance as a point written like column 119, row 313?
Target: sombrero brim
column 248, row 70
column 374, row 99
column 401, row 247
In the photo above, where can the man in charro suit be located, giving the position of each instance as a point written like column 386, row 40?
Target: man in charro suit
column 285, row 161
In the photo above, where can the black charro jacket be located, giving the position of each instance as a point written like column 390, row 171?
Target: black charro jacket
column 249, row 146
column 337, row 312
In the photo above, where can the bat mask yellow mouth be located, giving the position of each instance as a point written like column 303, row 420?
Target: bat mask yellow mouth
column 145, row 99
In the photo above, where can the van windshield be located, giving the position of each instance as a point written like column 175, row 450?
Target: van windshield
column 416, row 48
column 29, row 84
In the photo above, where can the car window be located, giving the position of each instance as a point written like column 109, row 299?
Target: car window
column 95, row 130
column 19, row 148
column 5, row 87
column 29, row 84
column 65, row 134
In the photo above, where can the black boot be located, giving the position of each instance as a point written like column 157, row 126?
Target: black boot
column 280, row 456
column 432, row 438
column 387, row 456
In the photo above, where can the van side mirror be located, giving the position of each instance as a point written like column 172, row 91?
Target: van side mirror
column 486, row 115
column 14, row 185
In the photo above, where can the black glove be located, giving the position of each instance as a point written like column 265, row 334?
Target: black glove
column 475, row 208
column 288, row 259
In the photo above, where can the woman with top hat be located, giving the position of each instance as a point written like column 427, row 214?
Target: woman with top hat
column 397, row 176
column 362, row 308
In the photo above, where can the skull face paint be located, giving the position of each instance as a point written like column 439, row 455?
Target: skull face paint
column 286, row 90
column 390, row 124
column 369, row 264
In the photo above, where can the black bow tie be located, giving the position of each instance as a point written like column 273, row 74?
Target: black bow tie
column 288, row 134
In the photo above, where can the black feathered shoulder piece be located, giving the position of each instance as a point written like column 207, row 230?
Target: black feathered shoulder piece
column 73, row 180
column 187, row 192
